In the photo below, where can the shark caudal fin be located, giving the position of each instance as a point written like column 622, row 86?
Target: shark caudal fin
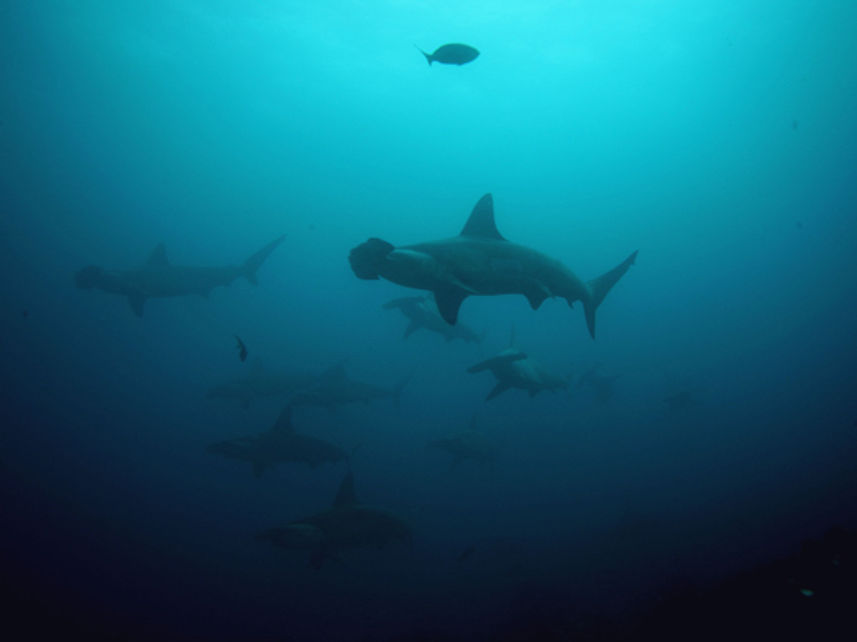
column 600, row 286
column 249, row 267
column 368, row 259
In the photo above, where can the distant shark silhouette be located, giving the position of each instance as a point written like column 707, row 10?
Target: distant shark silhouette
column 478, row 262
column 334, row 388
column 682, row 400
column 346, row 524
column 604, row 386
column 471, row 444
column 514, row 369
column 278, row 445
column 159, row 278
column 422, row 312
column 261, row 382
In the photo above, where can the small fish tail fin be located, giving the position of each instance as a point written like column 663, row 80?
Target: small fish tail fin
column 600, row 286
column 428, row 56
column 249, row 267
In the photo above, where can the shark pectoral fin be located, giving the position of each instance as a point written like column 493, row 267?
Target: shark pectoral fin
column 137, row 301
column 413, row 326
column 449, row 299
column 536, row 295
column 500, row 388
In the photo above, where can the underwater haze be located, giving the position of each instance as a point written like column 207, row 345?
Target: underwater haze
column 710, row 427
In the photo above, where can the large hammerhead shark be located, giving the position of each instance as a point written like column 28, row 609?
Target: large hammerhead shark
column 159, row 278
column 479, row 262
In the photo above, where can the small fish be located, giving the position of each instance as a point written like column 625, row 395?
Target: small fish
column 242, row 349
column 452, row 54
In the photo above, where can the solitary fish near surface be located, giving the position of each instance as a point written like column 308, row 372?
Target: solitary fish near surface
column 453, row 54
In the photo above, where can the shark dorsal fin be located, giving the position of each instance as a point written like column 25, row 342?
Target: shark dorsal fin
column 158, row 256
column 346, row 496
column 481, row 222
column 284, row 421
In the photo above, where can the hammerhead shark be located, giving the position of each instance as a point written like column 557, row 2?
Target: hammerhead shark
column 479, row 262
column 261, row 382
column 346, row 524
column 159, row 278
column 514, row 369
column 604, row 386
column 470, row 444
column 334, row 388
column 422, row 312
column 280, row 444
column 682, row 400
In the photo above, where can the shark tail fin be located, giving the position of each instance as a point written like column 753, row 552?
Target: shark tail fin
column 600, row 286
column 249, row 267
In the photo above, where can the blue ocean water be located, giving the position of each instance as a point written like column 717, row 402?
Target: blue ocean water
column 717, row 138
